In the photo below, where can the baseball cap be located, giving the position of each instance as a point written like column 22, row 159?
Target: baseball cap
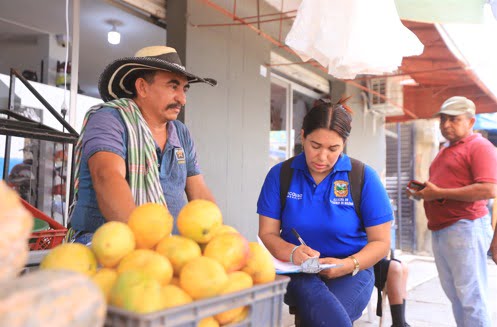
column 456, row 106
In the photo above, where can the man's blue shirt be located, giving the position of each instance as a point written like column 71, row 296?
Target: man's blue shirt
column 324, row 214
column 106, row 131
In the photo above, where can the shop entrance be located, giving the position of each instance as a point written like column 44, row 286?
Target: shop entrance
column 290, row 102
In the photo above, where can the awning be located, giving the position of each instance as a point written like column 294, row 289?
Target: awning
column 439, row 75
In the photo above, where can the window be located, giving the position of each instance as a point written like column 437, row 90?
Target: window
column 290, row 102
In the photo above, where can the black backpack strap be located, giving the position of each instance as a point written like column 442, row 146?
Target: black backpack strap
column 356, row 179
column 285, row 180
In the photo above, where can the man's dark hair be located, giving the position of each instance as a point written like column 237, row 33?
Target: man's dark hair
column 147, row 75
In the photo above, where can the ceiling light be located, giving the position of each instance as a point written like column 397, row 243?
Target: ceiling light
column 114, row 37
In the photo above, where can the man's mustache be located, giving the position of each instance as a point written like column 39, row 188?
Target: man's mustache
column 174, row 106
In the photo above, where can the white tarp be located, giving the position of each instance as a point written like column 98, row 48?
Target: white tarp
column 352, row 37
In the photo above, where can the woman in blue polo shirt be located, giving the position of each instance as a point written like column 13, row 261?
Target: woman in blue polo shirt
column 319, row 206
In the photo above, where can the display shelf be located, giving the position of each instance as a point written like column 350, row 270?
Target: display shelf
column 14, row 124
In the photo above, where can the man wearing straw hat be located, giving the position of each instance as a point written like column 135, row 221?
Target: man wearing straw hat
column 462, row 177
column 132, row 150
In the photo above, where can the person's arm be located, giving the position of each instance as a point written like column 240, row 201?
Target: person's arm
column 469, row 193
column 196, row 188
column 269, row 233
column 493, row 246
column 108, row 174
column 377, row 247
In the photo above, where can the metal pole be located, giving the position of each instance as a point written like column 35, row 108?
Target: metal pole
column 12, row 95
column 399, row 185
column 72, row 104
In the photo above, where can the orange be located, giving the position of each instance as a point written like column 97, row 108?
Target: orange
column 150, row 223
column 208, row 322
column 202, row 277
column 111, row 242
column 237, row 281
column 71, row 256
column 137, row 292
column 198, row 220
column 224, row 229
column 174, row 296
column 231, row 250
column 179, row 250
column 260, row 264
column 150, row 263
column 105, row 279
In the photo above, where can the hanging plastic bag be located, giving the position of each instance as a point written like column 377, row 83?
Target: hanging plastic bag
column 352, row 37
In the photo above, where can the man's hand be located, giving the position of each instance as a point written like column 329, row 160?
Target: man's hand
column 493, row 247
column 469, row 193
column 431, row 192
column 346, row 268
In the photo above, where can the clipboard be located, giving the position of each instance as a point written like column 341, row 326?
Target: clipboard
column 290, row 268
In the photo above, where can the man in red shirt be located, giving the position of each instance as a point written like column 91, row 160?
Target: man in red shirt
column 462, row 177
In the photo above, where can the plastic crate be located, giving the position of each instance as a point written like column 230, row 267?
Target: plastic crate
column 47, row 239
column 265, row 302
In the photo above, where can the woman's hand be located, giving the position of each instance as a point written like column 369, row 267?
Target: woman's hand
column 302, row 253
column 346, row 268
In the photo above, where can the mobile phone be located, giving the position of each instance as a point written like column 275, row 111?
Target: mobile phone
column 415, row 185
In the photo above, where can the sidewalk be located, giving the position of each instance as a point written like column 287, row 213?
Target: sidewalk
column 427, row 305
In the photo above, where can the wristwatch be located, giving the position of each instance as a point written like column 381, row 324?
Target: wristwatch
column 356, row 265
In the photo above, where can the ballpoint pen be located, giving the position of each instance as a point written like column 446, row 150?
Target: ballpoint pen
column 298, row 237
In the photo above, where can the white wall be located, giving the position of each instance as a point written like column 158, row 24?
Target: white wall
column 24, row 53
column 366, row 142
column 230, row 122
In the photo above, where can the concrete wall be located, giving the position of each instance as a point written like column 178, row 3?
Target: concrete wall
column 230, row 123
column 367, row 140
column 24, row 54
column 427, row 145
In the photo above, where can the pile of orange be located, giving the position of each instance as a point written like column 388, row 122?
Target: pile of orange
column 143, row 268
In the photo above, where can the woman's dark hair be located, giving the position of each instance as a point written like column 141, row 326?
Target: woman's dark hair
column 334, row 117
column 147, row 75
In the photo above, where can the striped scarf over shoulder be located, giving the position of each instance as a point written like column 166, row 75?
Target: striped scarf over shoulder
column 143, row 175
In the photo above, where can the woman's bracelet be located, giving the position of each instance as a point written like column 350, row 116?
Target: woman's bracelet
column 291, row 254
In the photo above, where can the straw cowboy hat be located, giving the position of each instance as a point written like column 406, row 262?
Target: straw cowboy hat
column 117, row 78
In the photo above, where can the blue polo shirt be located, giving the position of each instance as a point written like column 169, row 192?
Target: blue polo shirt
column 106, row 131
column 324, row 214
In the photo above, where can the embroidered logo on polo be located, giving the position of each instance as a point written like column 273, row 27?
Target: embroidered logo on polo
column 341, row 188
column 293, row 195
column 341, row 191
column 180, row 155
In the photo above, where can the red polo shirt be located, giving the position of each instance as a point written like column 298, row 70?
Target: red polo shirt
column 468, row 161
